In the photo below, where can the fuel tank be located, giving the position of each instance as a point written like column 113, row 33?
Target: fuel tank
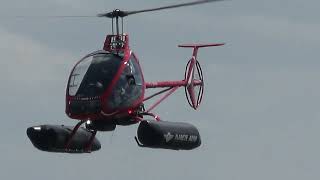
column 53, row 138
column 168, row 135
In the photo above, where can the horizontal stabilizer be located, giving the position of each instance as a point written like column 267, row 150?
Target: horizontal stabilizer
column 200, row 45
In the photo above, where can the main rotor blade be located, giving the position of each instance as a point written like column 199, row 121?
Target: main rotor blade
column 171, row 6
column 46, row 17
column 119, row 13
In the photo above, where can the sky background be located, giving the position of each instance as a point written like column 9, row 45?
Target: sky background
column 259, row 118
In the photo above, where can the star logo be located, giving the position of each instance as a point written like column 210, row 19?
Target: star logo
column 168, row 136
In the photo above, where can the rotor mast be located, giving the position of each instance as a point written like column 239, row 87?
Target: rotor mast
column 117, row 23
column 115, row 14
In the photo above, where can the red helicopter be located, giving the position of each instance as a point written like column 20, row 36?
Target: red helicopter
column 106, row 88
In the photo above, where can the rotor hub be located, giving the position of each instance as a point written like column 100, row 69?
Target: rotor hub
column 114, row 14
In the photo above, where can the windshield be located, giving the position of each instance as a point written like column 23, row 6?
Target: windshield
column 93, row 74
column 129, row 86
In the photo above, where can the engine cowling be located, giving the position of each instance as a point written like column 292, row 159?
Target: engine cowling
column 168, row 135
column 53, row 138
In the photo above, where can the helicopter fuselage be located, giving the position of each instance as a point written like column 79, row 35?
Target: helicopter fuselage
column 106, row 85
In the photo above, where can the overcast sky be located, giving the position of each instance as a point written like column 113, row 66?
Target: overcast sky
column 260, row 114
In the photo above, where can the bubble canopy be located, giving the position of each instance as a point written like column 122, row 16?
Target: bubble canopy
column 93, row 74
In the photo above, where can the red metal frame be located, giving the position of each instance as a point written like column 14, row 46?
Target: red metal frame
column 75, row 129
column 189, row 82
column 172, row 90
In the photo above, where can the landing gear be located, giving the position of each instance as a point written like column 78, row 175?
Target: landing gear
column 74, row 131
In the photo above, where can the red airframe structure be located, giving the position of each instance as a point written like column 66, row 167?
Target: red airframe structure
column 106, row 88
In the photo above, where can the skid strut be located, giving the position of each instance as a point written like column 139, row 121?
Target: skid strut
column 74, row 131
column 89, row 144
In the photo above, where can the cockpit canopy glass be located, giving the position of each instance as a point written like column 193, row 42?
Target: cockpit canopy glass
column 129, row 87
column 93, row 74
